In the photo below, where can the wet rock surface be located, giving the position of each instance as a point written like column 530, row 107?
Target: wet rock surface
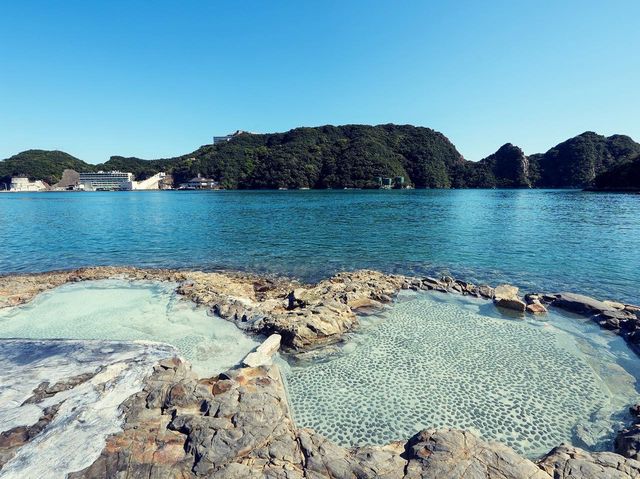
column 622, row 319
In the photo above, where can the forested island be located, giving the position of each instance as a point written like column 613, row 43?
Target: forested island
column 354, row 156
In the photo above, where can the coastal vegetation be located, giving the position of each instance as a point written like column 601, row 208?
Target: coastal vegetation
column 355, row 156
column 623, row 177
column 41, row 165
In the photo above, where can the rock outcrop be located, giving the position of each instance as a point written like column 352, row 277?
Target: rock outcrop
column 238, row 426
column 506, row 296
column 567, row 462
column 622, row 319
column 263, row 355
column 627, row 441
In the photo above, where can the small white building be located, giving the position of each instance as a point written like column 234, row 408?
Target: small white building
column 22, row 183
column 199, row 183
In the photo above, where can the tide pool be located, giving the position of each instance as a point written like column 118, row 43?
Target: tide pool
column 127, row 311
column 436, row 361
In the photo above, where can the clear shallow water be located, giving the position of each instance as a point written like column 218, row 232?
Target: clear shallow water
column 549, row 240
column 447, row 362
column 126, row 311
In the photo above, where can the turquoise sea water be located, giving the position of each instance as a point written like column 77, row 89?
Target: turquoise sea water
column 540, row 240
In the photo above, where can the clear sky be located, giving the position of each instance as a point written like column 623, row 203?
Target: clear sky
column 160, row 78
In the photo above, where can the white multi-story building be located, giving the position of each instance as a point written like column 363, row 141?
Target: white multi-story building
column 105, row 180
column 22, row 183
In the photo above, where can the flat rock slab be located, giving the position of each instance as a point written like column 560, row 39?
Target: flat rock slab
column 578, row 303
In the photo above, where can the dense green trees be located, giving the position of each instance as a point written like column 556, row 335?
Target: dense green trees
column 577, row 161
column 350, row 156
column 622, row 177
column 353, row 156
column 40, row 165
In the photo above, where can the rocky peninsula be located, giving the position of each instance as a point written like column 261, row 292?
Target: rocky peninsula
column 238, row 424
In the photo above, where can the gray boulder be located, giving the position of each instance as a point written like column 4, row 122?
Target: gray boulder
column 506, row 296
column 568, row 462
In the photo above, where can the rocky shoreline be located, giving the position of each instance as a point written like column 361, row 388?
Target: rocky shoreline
column 238, row 425
column 307, row 316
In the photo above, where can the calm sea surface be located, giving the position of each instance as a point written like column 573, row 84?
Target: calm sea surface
column 539, row 240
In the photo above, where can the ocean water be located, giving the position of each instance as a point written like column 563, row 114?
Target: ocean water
column 435, row 361
column 119, row 310
column 538, row 239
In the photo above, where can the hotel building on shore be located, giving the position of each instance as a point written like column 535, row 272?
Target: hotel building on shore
column 105, row 180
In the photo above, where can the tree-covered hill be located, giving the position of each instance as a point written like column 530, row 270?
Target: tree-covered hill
column 575, row 163
column 506, row 168
column 350, row 156
column 354, row 156
column 623, row 177
column 41, row 165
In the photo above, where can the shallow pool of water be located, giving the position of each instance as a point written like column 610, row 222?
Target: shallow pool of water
column 130, row 310
column 436, row 361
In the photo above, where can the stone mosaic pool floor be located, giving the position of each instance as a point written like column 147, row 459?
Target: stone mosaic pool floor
column 436, row 363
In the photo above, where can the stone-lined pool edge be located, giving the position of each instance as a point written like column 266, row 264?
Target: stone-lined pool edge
column 246, row 299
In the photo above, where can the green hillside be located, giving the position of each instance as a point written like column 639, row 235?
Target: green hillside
column 350, row 156
column 354, row 156
column 41, row 165
column 623, row 177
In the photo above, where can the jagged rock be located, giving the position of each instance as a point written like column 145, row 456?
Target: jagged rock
column 627, row 442
column 506, row 296
column 434, row 284
column 632, row 308
column 486, row 291
column 536, row 307
column 568, row 462
column 459, row 454
column 614, row 304
column 239, row 426
column 263, row 355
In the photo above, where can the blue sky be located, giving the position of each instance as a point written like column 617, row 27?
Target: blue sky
column 157, row 79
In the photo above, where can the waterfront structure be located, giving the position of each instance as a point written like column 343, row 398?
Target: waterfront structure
column 105, row 180
column 390, row 183
column 199, row 183
column 223, row 139
column 154, row 182
column 22, row 183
